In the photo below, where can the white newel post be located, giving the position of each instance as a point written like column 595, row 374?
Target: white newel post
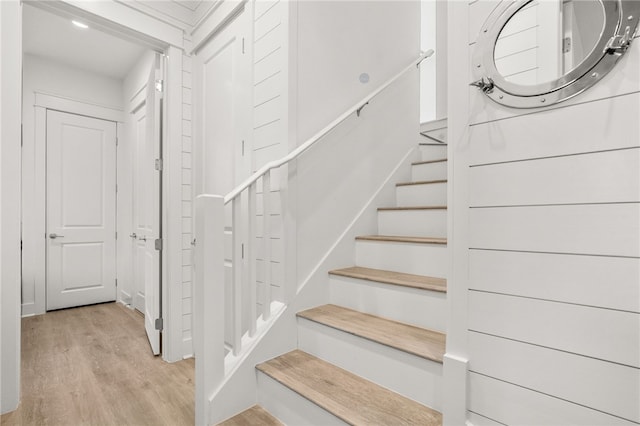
column 209, row 301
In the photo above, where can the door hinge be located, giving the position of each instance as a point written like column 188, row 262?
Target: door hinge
column 117, row 141
column 116, row 235
column 242, row 248
column 116, row 283
column 160, row 86
column 243, row 148
column 159, row 324
column 243, row 45
column 158, row 244
column 159, row 164
column 566, row 45
column 21, row 135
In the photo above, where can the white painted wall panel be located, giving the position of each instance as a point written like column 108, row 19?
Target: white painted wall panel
column 603, row 177
column 547, row 133
column 595, row 332
column 608, row 282
column 603, row 229
column 611, row 388
column 573, row 170
column 514, row 405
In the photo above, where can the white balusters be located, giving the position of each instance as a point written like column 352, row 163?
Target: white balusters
column 250, row 255
column 236, row 277
column 266, row 240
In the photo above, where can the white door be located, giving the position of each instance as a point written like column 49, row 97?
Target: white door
column 141, row 206
column 223, row 99
column 150, row 174
column 81, row 210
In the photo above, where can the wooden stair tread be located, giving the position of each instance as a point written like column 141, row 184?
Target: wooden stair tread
column 401, row 239
column 418, row 341
column 386, row 209
column 422, row 182
column 254, row 416
column 419, row 163
column 395, row 278
column 349, row 397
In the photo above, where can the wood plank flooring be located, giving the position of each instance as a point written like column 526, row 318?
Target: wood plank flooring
column 93, row 366
column 349, row 397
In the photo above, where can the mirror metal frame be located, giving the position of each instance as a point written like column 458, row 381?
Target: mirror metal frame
column 621, row 25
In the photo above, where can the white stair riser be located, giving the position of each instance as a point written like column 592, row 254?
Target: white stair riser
column 413, row 223
column 411, row 376
column 423, row 308
column 433, row 152
column 289, row 407
column 418, row 259
column 429, row 171
column 433, row 194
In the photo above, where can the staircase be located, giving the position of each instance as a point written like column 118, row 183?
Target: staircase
column 373, row 356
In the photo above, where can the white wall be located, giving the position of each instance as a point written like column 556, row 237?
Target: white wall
column 10, row 106
column 551, row 256
column 336, row 179
column 428, row 37
column 48, row 77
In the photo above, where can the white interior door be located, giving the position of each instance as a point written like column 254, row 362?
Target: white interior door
column 81, row 210
column 150, row 195
column 223, row 79
column 141, row 205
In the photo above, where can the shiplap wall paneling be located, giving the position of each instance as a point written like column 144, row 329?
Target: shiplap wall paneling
column 604, row 386
column 517, row 405
column 554, row 252
column 547, row 133
column 601, row 333
column 602, row 177
column 598, row 229
column 606, row 282
column 187, row 204
column 269, row 132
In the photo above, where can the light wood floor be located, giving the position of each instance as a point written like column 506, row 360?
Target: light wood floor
column 93, row 366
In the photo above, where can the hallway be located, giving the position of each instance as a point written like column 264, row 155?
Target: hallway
column 92, row 365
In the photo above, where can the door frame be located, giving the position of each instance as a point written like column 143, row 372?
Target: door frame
column 165, row 41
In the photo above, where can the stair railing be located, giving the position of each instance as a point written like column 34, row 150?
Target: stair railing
column 209, row 291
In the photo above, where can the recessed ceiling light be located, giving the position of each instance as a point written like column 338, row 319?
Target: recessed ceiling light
column 80, row 25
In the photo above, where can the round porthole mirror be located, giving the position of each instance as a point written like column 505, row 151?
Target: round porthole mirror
column 533, row 53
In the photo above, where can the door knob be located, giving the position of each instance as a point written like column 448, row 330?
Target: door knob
column 133, row 235
column 143, row 238
column 53, row 236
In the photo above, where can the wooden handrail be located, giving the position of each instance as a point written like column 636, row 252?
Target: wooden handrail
column 315, row 138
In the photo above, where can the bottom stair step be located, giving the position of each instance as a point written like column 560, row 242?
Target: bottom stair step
column 349, row 397
column 254, row 416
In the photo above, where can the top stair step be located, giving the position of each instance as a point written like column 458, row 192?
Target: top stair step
column 401, row 239
column 421, row 342
column 423, row 182
column 394, row 278
column 349, row 397
column 419, row 163
column 253, row 416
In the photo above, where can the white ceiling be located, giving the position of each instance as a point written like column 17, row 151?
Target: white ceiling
column 54, row 37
